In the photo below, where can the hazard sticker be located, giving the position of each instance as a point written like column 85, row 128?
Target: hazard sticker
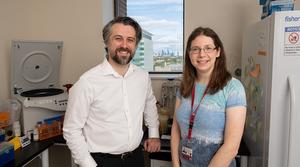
column 291, row 41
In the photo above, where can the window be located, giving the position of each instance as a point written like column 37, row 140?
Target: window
column 161, row 47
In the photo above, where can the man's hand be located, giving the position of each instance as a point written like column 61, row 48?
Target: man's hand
column 152, row 145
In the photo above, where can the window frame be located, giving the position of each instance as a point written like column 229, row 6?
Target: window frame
column 119, row 10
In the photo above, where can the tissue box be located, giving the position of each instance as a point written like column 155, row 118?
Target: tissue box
column 6, row 153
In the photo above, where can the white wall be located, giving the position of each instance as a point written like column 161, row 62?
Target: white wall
column 79, row 23
column 228, row 18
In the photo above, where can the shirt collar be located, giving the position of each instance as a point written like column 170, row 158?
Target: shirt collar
column 109, row 70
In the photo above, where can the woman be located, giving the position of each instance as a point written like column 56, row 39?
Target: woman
column 210, row 107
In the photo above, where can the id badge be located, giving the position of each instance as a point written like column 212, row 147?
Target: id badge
column 187, row 153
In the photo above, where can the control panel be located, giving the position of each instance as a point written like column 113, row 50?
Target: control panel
column 56, row 102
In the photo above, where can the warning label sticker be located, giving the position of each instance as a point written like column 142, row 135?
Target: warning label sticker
column 291, row 41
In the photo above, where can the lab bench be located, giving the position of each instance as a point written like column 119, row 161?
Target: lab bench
column 25, row 155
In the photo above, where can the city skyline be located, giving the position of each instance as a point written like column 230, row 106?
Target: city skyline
column 163, row 19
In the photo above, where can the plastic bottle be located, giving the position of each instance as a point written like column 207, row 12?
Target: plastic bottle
column 17, row 128
column 163, row 120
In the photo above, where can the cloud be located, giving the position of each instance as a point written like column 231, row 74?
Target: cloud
column 149, row 23
column 160, row 23
column 176, row 9
column 167, row 39
column 160, row 19
column 153, row 2
column 166, row 33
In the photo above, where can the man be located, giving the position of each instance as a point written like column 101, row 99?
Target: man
column 104, row 119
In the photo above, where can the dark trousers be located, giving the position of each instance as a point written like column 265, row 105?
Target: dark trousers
column 129, row 159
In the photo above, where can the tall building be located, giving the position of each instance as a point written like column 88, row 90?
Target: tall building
column 144, row 54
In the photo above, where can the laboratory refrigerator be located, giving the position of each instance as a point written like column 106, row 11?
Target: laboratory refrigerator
column 271, row 77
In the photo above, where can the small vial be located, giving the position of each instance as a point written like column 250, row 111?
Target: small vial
column 36, row 134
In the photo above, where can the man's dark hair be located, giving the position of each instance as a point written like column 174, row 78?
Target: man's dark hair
column 106, row 32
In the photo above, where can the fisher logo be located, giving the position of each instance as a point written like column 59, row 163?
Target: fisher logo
column 291, row 18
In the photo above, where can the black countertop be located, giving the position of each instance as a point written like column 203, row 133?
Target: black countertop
column 24, row 155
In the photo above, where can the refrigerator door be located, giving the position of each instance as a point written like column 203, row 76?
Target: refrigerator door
column 284, row 115
column 293, row 148
column 271, row 65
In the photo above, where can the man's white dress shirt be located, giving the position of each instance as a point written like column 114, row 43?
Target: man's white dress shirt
column 105, row 112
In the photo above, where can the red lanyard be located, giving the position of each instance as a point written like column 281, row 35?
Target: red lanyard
column 193, row 113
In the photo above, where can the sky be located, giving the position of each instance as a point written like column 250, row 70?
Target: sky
column 163, row 19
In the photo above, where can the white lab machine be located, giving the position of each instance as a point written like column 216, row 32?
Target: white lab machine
column 35, row 80
column 35, row 67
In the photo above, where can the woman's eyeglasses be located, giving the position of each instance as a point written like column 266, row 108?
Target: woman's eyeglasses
column 197, row 50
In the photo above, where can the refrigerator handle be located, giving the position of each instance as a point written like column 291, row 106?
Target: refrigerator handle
column 292, row 110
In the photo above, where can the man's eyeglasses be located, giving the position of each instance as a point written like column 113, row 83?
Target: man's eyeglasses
column 197, row 50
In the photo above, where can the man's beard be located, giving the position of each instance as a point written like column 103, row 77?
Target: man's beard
column 120, row 59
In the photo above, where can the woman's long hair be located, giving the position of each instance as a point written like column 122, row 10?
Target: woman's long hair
column 220, row 75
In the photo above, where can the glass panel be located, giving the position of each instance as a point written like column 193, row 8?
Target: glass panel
column 161, row 48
